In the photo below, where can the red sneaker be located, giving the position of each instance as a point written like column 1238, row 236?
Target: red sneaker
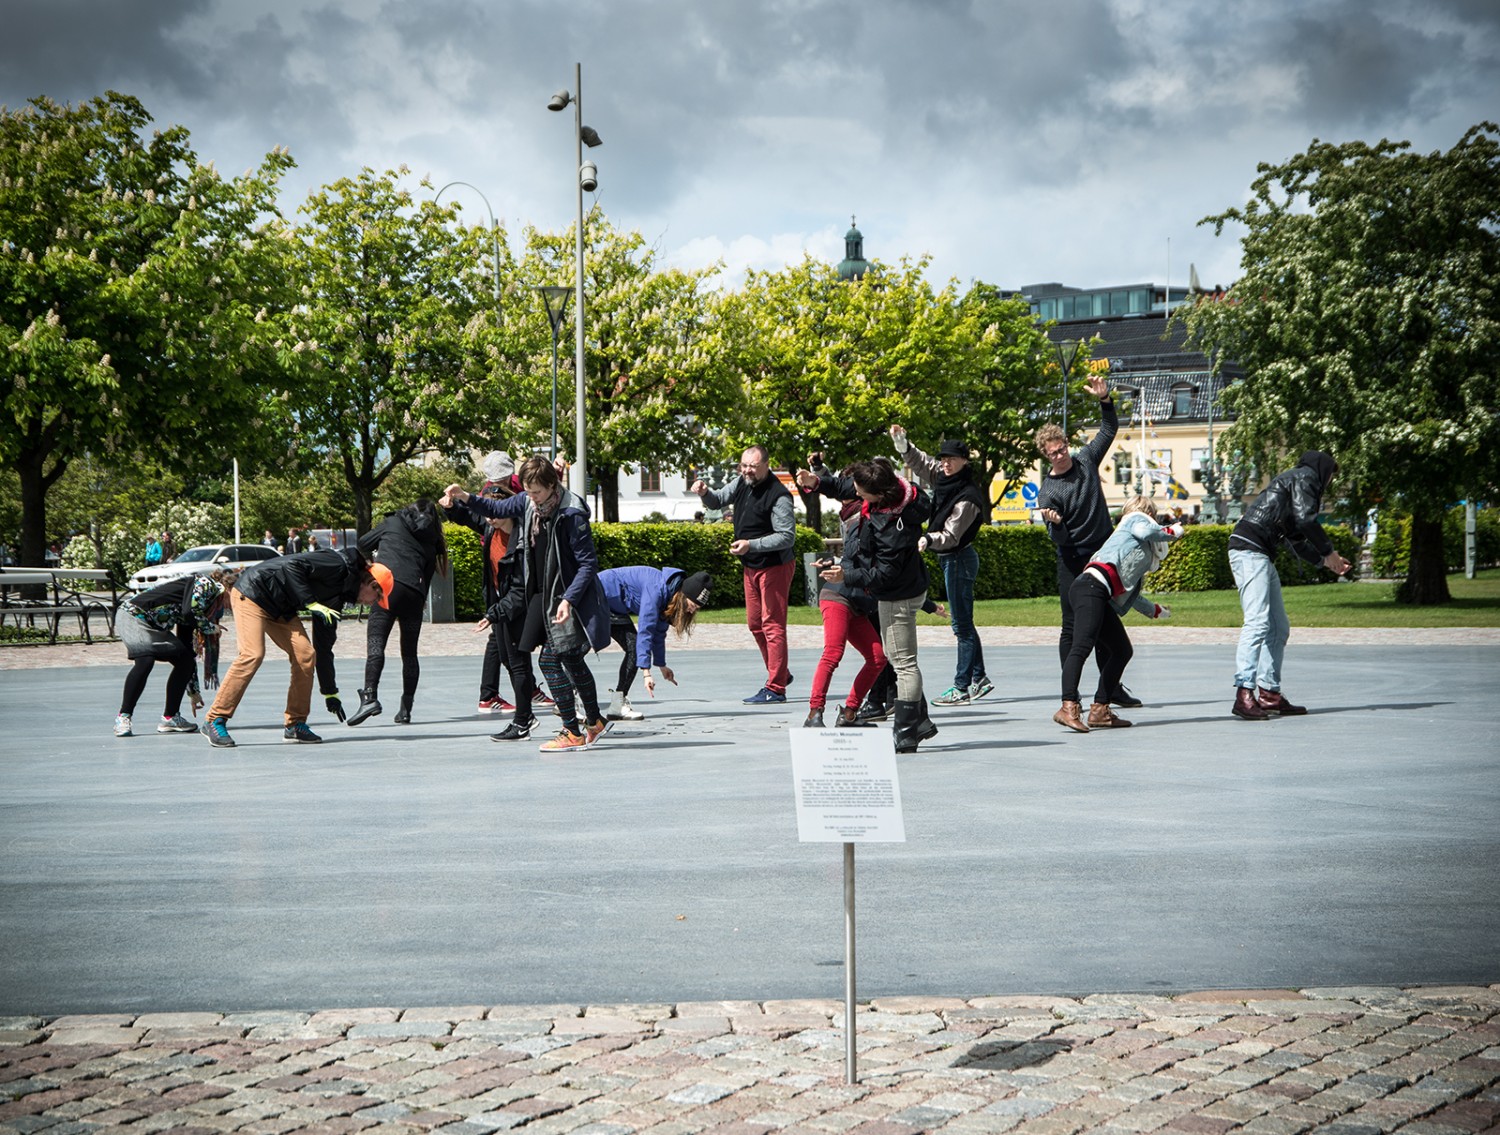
column 496, row 705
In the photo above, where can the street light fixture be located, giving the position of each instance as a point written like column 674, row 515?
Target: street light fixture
column 1067, row 354
column 494, row 231
column 588, row 181
column 555, row 300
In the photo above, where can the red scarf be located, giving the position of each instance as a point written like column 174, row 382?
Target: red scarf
column 908, row 494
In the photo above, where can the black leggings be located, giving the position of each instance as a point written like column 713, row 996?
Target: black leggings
column 1096, row 628
column 405, row 611
column 182, row 662
column 623, row 632
column 571, row 680
column 1066, row 574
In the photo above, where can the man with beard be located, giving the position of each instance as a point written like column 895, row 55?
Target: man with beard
column 764, row 533
column 958, row 512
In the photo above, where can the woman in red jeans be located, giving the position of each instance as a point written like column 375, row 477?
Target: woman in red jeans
column 848, row 619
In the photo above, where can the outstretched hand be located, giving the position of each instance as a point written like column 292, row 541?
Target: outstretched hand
column 1098, row 385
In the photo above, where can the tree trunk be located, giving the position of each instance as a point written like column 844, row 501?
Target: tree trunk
column 1426, row 582
column 607, row 478
column 364, row 508
column 33, row 512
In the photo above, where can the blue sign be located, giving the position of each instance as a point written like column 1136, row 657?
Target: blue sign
column 1028, row 493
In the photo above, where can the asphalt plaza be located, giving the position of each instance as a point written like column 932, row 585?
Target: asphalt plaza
column 428, row 865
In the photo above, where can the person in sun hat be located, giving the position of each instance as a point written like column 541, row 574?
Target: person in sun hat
column 266, row 602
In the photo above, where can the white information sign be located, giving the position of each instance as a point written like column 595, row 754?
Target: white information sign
column 846, row 786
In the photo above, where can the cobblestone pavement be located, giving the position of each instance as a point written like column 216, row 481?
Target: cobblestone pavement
column 440, row 640
column 1351, row 1061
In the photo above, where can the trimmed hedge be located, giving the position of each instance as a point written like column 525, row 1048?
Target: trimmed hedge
column 1200, row 561
column 466, row 558
column 1391, row 553
column 1015, row 562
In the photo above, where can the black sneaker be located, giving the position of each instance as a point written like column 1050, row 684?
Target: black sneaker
column 515, row 731
column 1125, row 699
column 217, row 733
column 298, row 733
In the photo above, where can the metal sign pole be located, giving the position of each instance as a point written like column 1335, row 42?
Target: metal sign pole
column 851, row 1074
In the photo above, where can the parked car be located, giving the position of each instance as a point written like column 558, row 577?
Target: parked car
column 201, row 560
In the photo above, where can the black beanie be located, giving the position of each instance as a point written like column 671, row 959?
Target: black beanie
column 697, row 587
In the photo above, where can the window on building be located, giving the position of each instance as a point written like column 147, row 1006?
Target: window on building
column 1124, row 468
column 650, row 480
column 1200, row 459
column 1182, row 402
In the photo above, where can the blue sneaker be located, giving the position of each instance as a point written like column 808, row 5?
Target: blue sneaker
column 217, row 732
column 767, row 696
column 298, row 733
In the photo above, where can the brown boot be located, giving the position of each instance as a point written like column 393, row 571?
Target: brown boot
column 1272, row 702
column 1069, row 717
column 1102, row 717
column 1247, row 707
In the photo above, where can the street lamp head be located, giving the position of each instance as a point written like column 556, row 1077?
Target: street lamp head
column 590, row 136
column 555, row 300
column 588, row 177
column 560, row 101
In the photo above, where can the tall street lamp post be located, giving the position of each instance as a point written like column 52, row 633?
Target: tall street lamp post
column 588, row 181
column 1067, row 352
column 494, row 231
column 555, row 300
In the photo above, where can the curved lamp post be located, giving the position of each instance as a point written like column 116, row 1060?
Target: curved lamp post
column 588, row 180
column 555, row 300
column 494, row 230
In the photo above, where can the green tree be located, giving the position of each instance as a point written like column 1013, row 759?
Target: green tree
column 1368, row 323
column 829, row 363
column 653, row 356
column 131, row 279
column 396, row 341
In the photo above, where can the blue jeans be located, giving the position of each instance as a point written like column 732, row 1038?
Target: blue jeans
column 960, row 570
column 1263, row 637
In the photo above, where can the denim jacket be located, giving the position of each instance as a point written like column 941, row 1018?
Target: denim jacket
column 1135, row 548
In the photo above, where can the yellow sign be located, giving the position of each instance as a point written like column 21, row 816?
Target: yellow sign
column 1012, row 502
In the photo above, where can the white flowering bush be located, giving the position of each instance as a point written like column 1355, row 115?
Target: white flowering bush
column 122, row 549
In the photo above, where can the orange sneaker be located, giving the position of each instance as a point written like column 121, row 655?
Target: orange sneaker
column 565, row 739
column 595, row 731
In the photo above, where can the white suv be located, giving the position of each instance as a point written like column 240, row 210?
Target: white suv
column 200, row 561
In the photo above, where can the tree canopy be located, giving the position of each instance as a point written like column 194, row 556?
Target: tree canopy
column 1368, row 323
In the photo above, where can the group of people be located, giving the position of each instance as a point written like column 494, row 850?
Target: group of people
column 544, row 591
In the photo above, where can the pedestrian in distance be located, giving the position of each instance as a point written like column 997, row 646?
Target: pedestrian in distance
column 266, row 601
column 268, row 540
column 881, row 558
column 1107, row 587
column 660, row 598
column 1071, row 501
column 293, row 542
column 170, row 622
column 565, row 611
column 1286, row 511
column 958, row 513
column 764, row 536
column 410, row 543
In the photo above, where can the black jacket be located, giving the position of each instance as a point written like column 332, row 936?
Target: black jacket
column 881, row 555
column 283, row 586
column 1287, row 509
column 407, row 543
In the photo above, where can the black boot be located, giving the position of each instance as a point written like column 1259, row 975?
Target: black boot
column 403, row 715
column 369, row 706
column 848, row 716
column 913, row 726
column 814, row 718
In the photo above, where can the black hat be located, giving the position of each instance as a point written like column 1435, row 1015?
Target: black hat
column 953, row 448
column 697, row 587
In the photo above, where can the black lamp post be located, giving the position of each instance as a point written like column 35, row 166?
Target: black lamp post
column 555, row 300
column 1067, row 353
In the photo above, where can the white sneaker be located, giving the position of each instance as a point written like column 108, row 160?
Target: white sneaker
column 620, row 709
column 122, row 725
column 176, row 724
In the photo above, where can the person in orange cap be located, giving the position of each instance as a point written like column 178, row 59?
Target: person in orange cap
column 266, row 602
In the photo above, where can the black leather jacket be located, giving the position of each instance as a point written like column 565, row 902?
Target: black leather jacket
column 1287, row 509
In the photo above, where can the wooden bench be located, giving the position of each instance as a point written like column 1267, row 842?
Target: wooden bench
column 61, row 598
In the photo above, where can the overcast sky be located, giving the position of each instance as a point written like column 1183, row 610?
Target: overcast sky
column 1070, row 140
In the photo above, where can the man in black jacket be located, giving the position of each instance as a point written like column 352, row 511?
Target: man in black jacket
column 266, row 602
column 1287, row 509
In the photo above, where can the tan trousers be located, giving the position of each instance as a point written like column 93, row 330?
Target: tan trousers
column 252, row 626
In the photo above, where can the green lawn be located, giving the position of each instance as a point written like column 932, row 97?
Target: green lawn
column 1476, row 603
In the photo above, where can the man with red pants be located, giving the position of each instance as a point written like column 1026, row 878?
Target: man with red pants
column 764, row 532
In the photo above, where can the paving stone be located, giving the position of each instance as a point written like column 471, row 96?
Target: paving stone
column 112, row 1035
column 451, row 1013
column 394, row 1028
